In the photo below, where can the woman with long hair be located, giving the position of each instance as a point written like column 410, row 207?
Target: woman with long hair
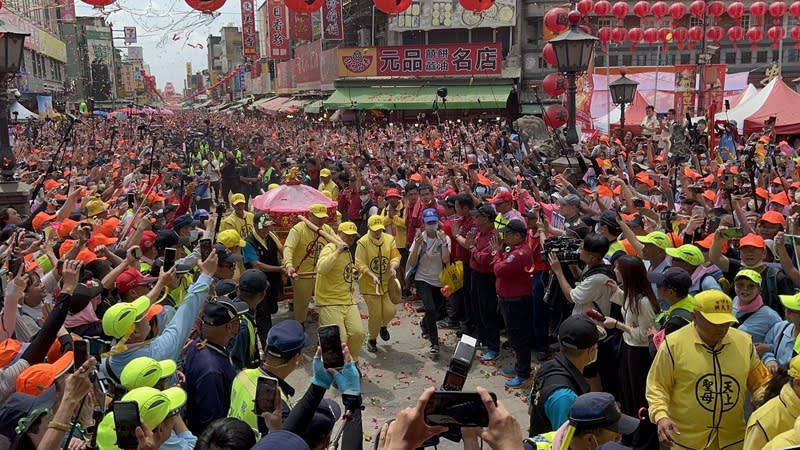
column 639, row 308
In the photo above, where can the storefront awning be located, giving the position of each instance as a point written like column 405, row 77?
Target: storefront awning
column 400, row 98
column 274, row 104
column 261, row 101
column 292, row 106
column 313, row 107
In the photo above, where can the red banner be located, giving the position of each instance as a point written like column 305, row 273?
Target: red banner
column 329, row 70
column 714, row 89
column 284, row 77
column 67, row 11
column 299, row 26
column 249, row 44
column 278, row 36
column 332, row 21
column 307, row 65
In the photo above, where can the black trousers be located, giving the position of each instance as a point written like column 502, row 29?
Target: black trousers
column 517, row 314
column 471, row 314
column 485, row 295
column 634, row 365
column 433, row 300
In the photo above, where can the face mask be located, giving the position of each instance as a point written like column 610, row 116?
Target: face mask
column 364, row 198
column 594, row 357
column 597, row 228
column 431, row 227
column 193, row 235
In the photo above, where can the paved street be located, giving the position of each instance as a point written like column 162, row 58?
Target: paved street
column 396, row 376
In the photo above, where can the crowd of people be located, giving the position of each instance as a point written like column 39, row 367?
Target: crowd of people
column 646, row 288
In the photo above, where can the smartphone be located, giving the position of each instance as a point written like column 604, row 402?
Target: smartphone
column 666, row 216
column 729, row 181
column 137, row 253
column 169, row 258
column 460, row 409
column 80, row 352
column 453, row 381
column 791, row 239
column 14, row 265
column 205, row 248
column 220, row 209
column 331, row 343
column 126, row 419
column 731, row 233
column 131, row 199
column 265, row 394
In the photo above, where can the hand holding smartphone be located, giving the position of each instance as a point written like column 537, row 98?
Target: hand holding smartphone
column 126, row 420
column 460, row 409
column 169, row 258
column 330, row 342
column 266, row 395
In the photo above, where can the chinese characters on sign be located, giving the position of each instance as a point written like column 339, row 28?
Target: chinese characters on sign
column 278, row 36
column 332, row 21
column 422, row 60
column 249, row 30
column 299, row 26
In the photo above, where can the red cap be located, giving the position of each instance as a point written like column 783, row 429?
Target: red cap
column 502, row 197
column 130, row 279
column 392, row 192
column 148, row 239
column 773, row 217
column 752, row 240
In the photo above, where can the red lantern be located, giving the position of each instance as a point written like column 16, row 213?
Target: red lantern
column 659, row 9
column 755, row 34
column 101, row 3
column 698, row 8
column 641, row 9
column 758, row 9
column 679, row 35
column 473, row 5
column 554, row 84
column 620, row 10
column 304, row 6
column 602, row 8
column 776, row 34
column 777, row 9
column 556, row 20
column 619, row 34
column 555, row 116
column 677, row 11
column 794, row 9
column 735, row 35
column 635, row 35
column 736, row 11
column 585, row 7
column 696, row 34
column 549, row 54
column 795, row 33
column 716, row 8
column 204, row 6
column 665, row 35
column 651, row 36
column 715, row 34
column 392, row 6
column 604, row 34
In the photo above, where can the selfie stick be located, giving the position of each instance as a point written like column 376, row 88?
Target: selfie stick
column 74, row 424
column 51, row 167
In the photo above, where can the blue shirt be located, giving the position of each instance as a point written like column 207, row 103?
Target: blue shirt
column 182, row 441
column 558, row 405
column 782, row 342
column 249, row 253
column 757, row 324
column 707, row 282
column 209, row 377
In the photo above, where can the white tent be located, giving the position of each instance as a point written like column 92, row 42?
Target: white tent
column 23, row 114
column 747, row 107
column 741, row 97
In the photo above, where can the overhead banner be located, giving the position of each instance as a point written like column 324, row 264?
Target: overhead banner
column 685, row 88
column 446, row 15
column 299, row 26
column 285, row 81
column 421, row 60
column 332, row 20
column 249, row 45
column 100, row 49
column 307, row 65
column 67, row 11
column 714, row 89
column 278, row 36
column 329, row 70
column 45, row 104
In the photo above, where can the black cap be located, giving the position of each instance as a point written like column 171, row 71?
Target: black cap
column 514, row 225
column 599, row 410
column 225, row 287
column 485, row 210
column 286, row 339
column 167, row 238
column 673, row 277
column 324, row 419
column 183, row 221
column 578, row 332
column 636, row 221
column 225, row 255
column 608, row 217
column 220, row 311
column 85, row 292
column 450, row 201
column 253, row 280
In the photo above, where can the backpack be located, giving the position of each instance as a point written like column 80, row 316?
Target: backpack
column 771, row 298
column 723, row 282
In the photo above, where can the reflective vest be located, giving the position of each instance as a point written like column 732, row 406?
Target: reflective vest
column 243, row 394
column 252, row 350
column 542, row 441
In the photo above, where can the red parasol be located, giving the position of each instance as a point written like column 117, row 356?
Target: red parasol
column 284, row 203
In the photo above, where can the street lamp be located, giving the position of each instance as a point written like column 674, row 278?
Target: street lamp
column 12, row 43
column 574, row 50
column 623, row 89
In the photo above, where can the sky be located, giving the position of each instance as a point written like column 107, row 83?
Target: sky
column 166, row 31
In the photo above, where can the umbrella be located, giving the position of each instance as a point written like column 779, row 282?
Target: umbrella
column 97, row 112
column 166, row 112
column 128, row 111
column 118, row 115
column 284, row 203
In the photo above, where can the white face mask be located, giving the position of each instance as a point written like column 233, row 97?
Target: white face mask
column 364, row 198
column 193, row 235
column 594, row 356
column 431, row 227
column 597, row 228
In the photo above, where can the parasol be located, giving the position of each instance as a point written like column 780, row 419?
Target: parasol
column 286, row 202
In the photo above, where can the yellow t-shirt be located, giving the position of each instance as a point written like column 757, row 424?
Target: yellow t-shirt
column 379, row 257
column 334, row 284
column 243, row 226
column 331, row 187
column 299, row 243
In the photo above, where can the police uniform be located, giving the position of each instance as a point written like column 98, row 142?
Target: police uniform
column 244, row 346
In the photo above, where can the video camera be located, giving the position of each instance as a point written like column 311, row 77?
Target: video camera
column 566, row 249
column 460, row 364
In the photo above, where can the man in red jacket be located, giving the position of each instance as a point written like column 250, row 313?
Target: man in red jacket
column 512, row 266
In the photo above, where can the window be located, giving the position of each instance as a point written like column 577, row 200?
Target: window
column 641, row 59
column 745, row 21
column 600, row 61
column 606, row 22
column 627, row 60
column 730, row 57
column 747, row 57
column 686, row 58
column 613, row 60
column 761, row 56
column 695, row 22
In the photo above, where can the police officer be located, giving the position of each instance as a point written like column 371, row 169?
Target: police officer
column 244, row 347
column 513, row 284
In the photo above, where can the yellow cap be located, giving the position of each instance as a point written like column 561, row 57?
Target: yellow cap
column 145, row 372
column 715, row 306
column 318, row 210
column 794, row 367
column 272, row 186
column 95, row 206
column 348, row 228
column 230, row 239
column 688, row 253
column 325, row 172
column 237, row 198
column 791, row 302
column 750, row 274
column 118, row 320
column 657, row 238
column 375, row 223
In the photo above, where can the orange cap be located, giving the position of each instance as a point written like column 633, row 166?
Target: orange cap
column 108, row 226
column 415, row 177
column 691, row 173
column 65, row 227
column 780, row 198
column 752, row 240
column 710, row 196
column 761, row 192
column 49, row 185
column 9, row 350
column 40, row 219
column 98, row 239
column 39, row 377
column 773, row 217
column 705, row 243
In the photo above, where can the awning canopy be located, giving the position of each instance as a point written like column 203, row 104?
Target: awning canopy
column 313, row 107
column 400, row 98
column 292, row 106
column 261, row 101
column 274, row 104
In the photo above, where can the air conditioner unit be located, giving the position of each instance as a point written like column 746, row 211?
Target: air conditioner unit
column 364, row 37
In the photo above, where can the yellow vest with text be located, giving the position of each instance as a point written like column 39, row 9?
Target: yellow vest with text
column 243, row 395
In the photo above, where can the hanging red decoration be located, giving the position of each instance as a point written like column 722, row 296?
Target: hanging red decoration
column 794, row 9
column 641, row 9
column 635, row 36
column 659, row 10
column 604, row 34
column 715, row 34
column 697, row 8
column 620, row 10
column 474, row 5
column 776, row 34
column 716, row 8
column 556, row 21
column 585, row 7
column 549, row 54
column 795, row 33
column 679, row 36
column 619, row 34
column 758, row 9
column 98, row 3
column 755, row 34
column 602, row 8
column 677, row 11
column 554, row 84
column 735, row 35
column 665, row 35
column 778, row 9
column 736, row 11
column 204, row 6
column 695, row 34
column 392, row 6
column 304, row 6
column 555, row 116
column 651, row 36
